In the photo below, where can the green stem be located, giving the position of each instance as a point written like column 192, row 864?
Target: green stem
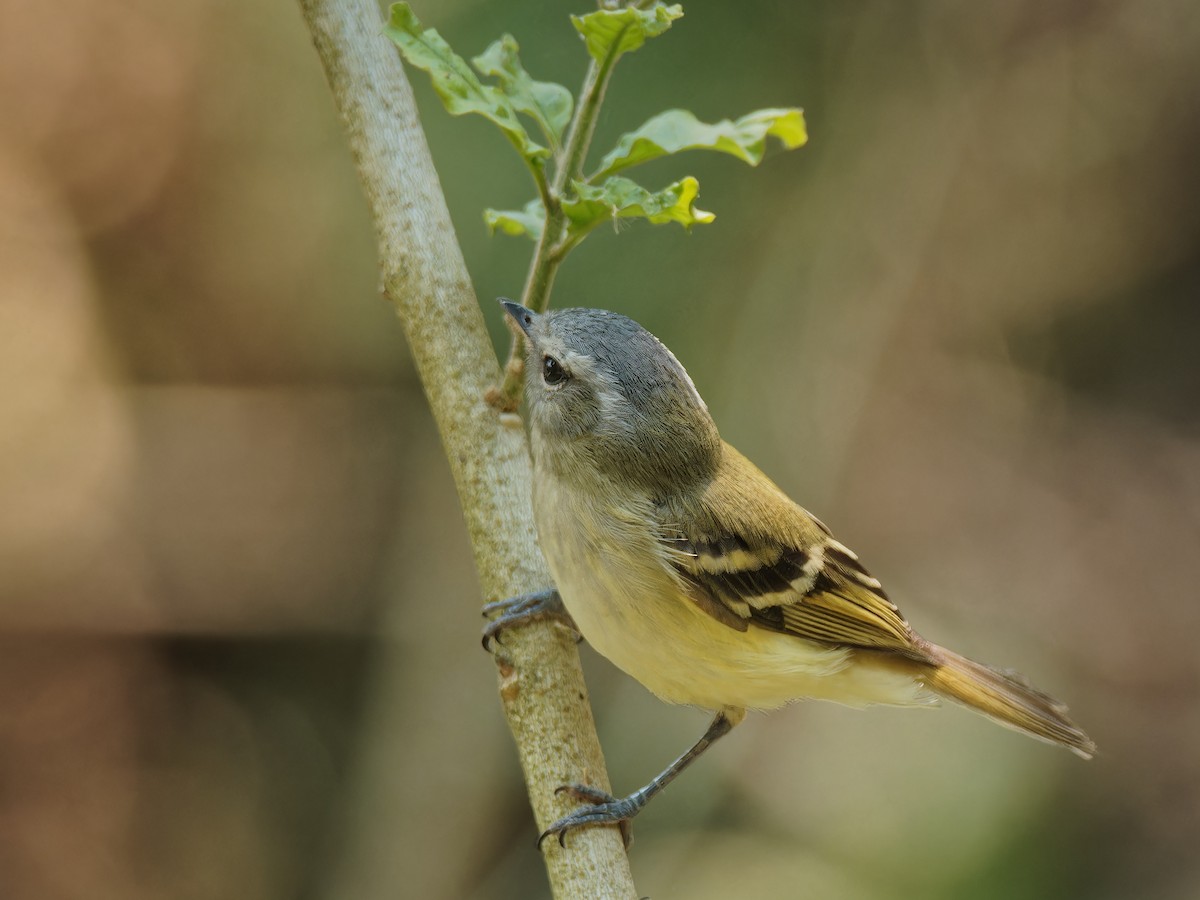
column 553, row 246
column 583, row 123
column 538, row 170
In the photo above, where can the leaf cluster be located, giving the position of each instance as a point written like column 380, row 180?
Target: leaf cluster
column 570, row 202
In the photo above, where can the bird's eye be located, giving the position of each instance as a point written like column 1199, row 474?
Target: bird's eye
column 552, row 371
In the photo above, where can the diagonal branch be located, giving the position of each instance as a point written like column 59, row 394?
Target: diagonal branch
column 423, row 274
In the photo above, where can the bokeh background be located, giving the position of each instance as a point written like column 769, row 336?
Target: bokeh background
column 238, row 621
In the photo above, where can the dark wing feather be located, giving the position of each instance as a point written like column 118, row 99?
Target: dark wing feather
column 793, row 578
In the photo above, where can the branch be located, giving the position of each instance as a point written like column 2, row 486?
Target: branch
column 541, row 684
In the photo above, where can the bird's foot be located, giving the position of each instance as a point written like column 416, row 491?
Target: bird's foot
column 520, row 610
column 604, row 809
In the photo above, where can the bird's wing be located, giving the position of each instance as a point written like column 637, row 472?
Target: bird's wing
column 750, row 556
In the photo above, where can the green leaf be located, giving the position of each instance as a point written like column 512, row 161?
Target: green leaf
column 515, row 222
column 612, row 32
column 620, row 198
column 460, row 89
column 677, row 130
column 546, row 103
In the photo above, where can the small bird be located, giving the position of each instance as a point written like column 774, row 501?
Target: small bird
column 685, row 566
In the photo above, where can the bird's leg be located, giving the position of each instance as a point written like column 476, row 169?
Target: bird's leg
column 519, row 610
column 608, row 810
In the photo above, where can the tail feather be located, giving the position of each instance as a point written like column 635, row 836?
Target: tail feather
column 1005, row 698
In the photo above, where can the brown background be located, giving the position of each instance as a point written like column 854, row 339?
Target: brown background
column 238, row 622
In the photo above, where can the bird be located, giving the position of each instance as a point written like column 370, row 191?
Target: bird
column 684, row 565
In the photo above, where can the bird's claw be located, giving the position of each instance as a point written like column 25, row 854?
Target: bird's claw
column 605, row 809
column 585, row 792
column 520, row 610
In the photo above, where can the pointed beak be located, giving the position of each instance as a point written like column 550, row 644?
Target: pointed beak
column 522, row 317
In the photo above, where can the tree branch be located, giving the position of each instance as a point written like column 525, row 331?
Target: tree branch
column 424, row 275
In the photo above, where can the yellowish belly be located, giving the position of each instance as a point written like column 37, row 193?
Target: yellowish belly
column 615, row 581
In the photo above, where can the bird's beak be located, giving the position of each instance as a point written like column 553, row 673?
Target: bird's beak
column 523, row 318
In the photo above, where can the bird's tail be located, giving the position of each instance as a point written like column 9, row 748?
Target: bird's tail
column 1007, row 698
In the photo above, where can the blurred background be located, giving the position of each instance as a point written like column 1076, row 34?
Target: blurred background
column 239, row 624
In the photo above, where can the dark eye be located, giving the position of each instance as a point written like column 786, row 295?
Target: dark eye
column 552, row 371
